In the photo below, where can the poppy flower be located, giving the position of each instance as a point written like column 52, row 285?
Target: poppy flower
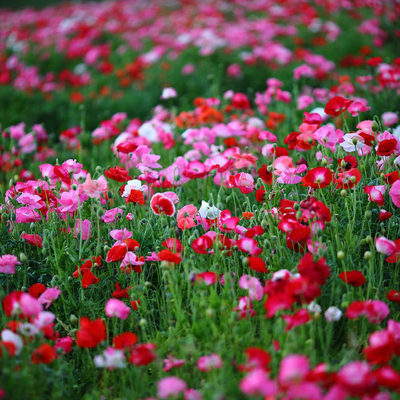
column 257, row 264
column 256, row 358
column 143, row 354
column 118, row 174
column 116, row 253
column 353, row 278
column 34, row 240
column 208, row 278
column 161, row 204
column 124, row 340
column 298, row 318
column 317, row 178
column 386, row 147
column 202, row 245
column 348, row 179
column 169, row 256
column 90, row 333
column 44, row 354
column 266, row 176
column 337, row 105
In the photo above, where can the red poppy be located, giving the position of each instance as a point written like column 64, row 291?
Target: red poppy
column 118, row 174
column 315, row 271
column 265, row 175
column 36, row 290
column 88, row 278
column 44, row 354
column 162, row 205
column 143, row 354
column 392, row 177
column 91, row 333
column 337, row 105
column 394, row 296
column 386, row 147
column 348, row 179
column 240, row 101
column 256, row 358
column 135, row 196
column 125, row 340
column 202, row 244
column 119, row 293
column 169, row 256
column 117, row 253
column 257, row 264
column 260, row 195
column 353, row 278
column 317, row 178
column 173, row 244
column 298, row 318
column 34, row 240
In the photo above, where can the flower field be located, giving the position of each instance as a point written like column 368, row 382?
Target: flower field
column 200, row 200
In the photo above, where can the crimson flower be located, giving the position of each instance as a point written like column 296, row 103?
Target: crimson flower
column 337, row 105
column 91, row 333
column 353, row 278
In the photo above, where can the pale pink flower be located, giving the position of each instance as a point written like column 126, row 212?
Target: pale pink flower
column 253, row 285
column 8, row 263
column 69, row 201
column 293, row 369
column 94, row 188
column 111, row 215
column 29, row 305
column 207, row 363
column 84, row 228
column 385, row 246
column 26, row 215
column 120, row 234
column 170, row 386
column 168, row 93
column 186, row 216
column 172, row 362
column 48, row 296
column 110, row 358
column 256, row 383
column 389, row 118
column 394, row 193
column 117, row 308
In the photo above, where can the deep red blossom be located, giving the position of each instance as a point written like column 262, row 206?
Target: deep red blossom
column 44, row 354
column 300, row 317
column 202, row 245
column 315, row 271
column 143, row 354
column 135, row 196
column 118, row 174
column 117, row 253
column 386, row 147
column 394, row 296
column 348, row 179
column 337, row 105
column 169, row 256
column 317, row 178
column 90, row 333
column 119, row 293
column 256, row 358
column 124, row 340
column 350, row 162
column 36, row 290
column 34, row 240
column 265, row 175
column 353, row 278
column 257, row 264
